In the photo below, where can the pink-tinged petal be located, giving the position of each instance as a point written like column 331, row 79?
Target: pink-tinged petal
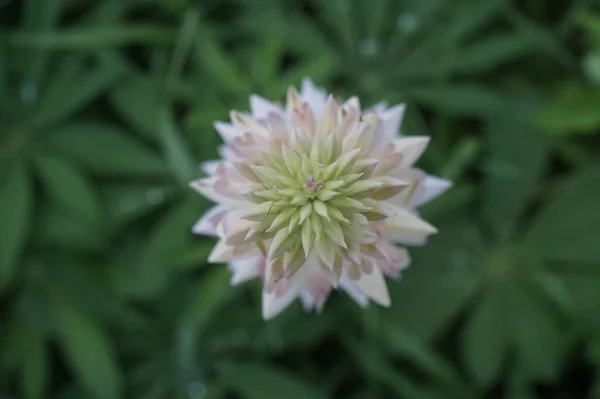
column 373, row 286
column 428, row 189
column 412, row 241
column 206, row 187
column 391, row 119
column 399, row 259
column 227, row 131
column 261, row 107
column 411, row 149
column 314, row 96
column 210, row 167
column 406, row 224
column 235, row 229
column 355, row 293
column 224, row 252
column 317, row 288
column 245, row 269
column 207, row 225
column 378, row 108
column 274, row 302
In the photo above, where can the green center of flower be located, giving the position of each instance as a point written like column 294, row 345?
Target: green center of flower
column 317, row 194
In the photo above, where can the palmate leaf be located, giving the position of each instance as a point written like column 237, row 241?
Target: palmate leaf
column 16, row 197
column 35, row 370
column 462, row 100
column 517, row 159
column 86, row 348
column 565, row 229
column 72, row 87
column 485, row 341
column 107, row 150
column 68, row 186
column 572, row 111
column 137, row 99
column 259, row 380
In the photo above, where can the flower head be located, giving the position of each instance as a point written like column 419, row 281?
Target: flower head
column 316, row 196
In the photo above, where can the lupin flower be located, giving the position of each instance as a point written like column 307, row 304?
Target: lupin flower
column 316, row 195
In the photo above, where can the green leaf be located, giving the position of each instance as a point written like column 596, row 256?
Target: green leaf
column 574, row 109
column 68, row 187
column 169, row 235
column 175, row 149
column 73, row 87
column 35, row 372
column 16, row 198
column 58, row 229
column 516, row 164
column 566, row 228
column 126, row 202
column 208, row 298
column 377, row 367
column 537, row 335
column 412, row 347
column 494, row 51
column 87, row 349
column 137, row 99
column 485, row 342
column 86, row 39
column 218, row 63
column 462, row 100
column 107, row 150
column 262, row 381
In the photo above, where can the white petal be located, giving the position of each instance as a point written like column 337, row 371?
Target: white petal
column 406, row 224
column 314, row 96
column 412, row 241
column 378, row 108
column 373, row 285
column 210, row 167
column 391, row 119
column 223, row 252
column 354, row 292
column 204, row 187
column 428, row 189
column 261, row 107
column 226, row 130
column 272, row 305
column 207, row 225
column 245, row 269
column 411, row 148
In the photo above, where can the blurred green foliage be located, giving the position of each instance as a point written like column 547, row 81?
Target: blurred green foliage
column 106, row 109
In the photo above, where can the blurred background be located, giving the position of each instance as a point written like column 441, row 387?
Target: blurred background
column 106, row 111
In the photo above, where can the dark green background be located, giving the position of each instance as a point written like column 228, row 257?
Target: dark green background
column 106, row 110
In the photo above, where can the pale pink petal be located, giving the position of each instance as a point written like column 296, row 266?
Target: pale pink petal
column 227, row 131
column 210, row 167
column 373, row 285
column 411, row 149
column 414, row 241
column 428, row 189
column 261, row 107
column 406, row 224
column 207, row 225
column 314, row 96
column 245, row 269
column 391, row 119
column 206, row 188
column 273, row 304
column 316, row 292
column 223, row 252
column 355, row 293
column 378, row 108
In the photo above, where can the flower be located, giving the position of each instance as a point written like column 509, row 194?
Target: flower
column 316, row 195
